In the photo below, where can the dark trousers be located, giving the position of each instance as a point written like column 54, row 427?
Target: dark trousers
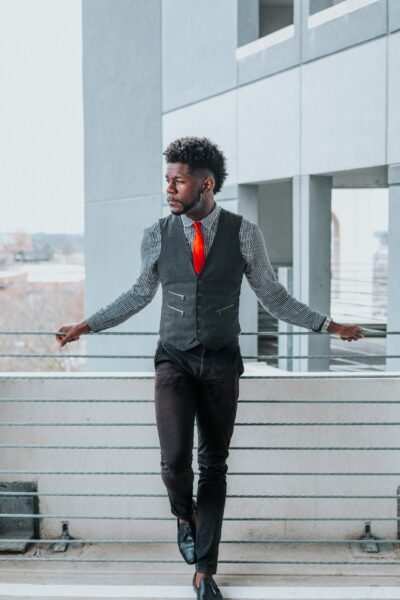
column 199, row 383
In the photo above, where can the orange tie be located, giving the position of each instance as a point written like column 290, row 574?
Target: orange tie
column 199, row 255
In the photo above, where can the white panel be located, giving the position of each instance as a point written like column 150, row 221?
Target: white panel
column 268, row 133
column 214, row 118
column 344, row 110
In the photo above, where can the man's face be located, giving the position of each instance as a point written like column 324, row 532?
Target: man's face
column 183, row 189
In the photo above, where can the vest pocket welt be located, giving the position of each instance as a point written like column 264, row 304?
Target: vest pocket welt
column 177, row 309
column 219, row 310
column 176, row 294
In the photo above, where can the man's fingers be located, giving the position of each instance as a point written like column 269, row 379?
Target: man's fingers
column 59, row 338
column 68, row 338
column 66, row 334
column 64, row 339
column 351, row 332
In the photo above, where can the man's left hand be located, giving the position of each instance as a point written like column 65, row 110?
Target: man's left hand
column 346, row 332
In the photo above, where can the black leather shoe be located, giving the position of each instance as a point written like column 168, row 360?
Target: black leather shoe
column 187, row 540
column 208, row 589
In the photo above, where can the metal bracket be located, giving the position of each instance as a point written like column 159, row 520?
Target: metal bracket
column 62, row 546
column 371, row 545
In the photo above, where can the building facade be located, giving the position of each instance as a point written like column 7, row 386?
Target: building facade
column 302, row 97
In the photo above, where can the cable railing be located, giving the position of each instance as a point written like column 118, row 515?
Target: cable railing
column 368, row 333
column 276, row 453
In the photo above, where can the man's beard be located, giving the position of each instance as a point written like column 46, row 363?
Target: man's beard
column 186, row 208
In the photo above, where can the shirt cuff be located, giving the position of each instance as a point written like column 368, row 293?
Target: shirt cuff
column 326, row 324
column 94, row 323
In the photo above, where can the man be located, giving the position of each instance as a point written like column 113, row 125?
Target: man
column 199, row 253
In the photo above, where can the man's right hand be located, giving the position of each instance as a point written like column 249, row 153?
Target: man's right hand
column 71, row 332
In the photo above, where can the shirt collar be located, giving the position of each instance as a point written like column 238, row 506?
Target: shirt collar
column 207, row 221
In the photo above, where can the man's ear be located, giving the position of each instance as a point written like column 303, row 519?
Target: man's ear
column 208, row 184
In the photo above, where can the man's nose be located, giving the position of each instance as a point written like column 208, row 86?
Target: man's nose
column 171, row 189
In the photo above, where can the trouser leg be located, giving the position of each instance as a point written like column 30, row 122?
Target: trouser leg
column 175, row 405
column 215, row 423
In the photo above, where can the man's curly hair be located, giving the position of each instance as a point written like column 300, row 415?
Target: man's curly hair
column 200, row 154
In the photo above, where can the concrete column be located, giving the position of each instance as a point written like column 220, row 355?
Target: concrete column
column 275, row 213
column 311, row 262
column 123, row 165
column 393, row 313
column 285, row 340
column 247, row 205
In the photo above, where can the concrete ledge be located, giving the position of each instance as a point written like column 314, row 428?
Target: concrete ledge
column 363, row 22
column 14, row 590
column 335, row 11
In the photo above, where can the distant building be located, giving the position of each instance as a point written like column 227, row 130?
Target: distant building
column 7, row 249
column 36, row 254
column 13, row 283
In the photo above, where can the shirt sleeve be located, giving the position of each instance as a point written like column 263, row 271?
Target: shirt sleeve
column 273, row 296
column 142, row 291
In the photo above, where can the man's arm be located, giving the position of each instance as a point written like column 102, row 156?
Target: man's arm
column 128, row 303
column 139, row 295
column 274, row 296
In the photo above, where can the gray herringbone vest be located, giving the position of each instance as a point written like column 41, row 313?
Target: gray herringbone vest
column 200, row 308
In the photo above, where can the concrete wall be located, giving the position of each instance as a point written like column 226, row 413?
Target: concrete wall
column 349, row 132
column 269, row 128
column 342, row 386
column 347, row 30
column 215, row 118
column 198, row 49
column 393, row 99
column 122, row 121
column 275, row 207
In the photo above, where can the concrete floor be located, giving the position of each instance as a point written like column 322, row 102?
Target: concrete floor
column 30, row 579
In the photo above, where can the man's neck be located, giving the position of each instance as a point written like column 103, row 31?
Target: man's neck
column 202, row 217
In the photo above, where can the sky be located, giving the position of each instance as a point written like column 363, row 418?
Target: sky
column 41, row 116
